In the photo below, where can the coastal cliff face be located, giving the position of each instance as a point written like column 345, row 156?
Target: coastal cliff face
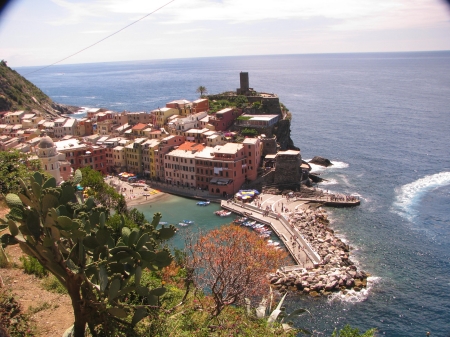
column 282, row 130
column 17, row 93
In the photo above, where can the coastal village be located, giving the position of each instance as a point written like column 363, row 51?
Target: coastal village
column 181, row 144
column 187, row 149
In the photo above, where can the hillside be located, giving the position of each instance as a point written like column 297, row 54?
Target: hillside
column 17, row 93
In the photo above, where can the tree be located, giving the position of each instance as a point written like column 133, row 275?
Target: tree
column 232, row 262
column 102, row 192
column 15, row 165
column 71, row 241
column 201, row 89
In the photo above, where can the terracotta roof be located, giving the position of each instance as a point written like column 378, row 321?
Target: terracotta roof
column 190, row 146
column 139, row 126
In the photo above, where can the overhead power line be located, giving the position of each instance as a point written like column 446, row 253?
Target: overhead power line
column 107, row 37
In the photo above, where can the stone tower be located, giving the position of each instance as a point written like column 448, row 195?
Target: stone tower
column 245, row 84
column 48, row 155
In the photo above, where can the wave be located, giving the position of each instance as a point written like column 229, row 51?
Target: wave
column 319, row 168
column 352, row 296
column 328, row 182
column 410, row 194
column 338, row 164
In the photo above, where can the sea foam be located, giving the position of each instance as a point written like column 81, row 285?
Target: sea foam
column 409, row 195
column 352, row 296
column 319, row 168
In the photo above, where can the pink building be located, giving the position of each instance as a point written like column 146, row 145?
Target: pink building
column 253, row 150
column 222, row 169
column 224, row 118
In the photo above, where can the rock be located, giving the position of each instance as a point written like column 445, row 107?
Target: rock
column 321, row 161
column 274, row 280
column 306, row 290
column 314, row 294
column 350, row 283
column 279, row 281
column 358, row 283
column 331, row 285
column 315, row 178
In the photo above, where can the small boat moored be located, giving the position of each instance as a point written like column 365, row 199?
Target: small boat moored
column 222, row 212
column 203, row 203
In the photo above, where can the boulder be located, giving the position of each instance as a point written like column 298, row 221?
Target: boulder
column 314, row 294
column 350, row 283
column 321, row 161
column 331, row 285
column 358, row 283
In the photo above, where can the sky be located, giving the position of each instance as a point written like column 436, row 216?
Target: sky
column 39, row 33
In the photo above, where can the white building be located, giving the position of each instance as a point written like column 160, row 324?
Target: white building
column 48, row 155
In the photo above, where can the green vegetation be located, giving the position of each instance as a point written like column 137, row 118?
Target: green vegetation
column 12, row 319
column 249, row 132
column 70, row 239
column 121, row 277
column 32, row 266
column 43, row 306
column 244, row 118
column 51, row 283
column 219, row 102
column 348, row 331
column 201, row 90
column 15, row 165
column 101, row 191
column 17, row 93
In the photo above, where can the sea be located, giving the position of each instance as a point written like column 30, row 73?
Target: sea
column 383, row 119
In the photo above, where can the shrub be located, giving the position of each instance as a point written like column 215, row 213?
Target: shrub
column 52, row 284
column 11, row 317
column 32, row 266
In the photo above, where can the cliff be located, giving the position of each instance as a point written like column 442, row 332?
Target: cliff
column 17, row 93
column 282, row 130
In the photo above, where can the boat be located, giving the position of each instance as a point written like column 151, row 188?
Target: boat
column 273, row 243
column 182, row 224
column 222, row 212
column 163, row 222
column 203, row 203
column 189, row 222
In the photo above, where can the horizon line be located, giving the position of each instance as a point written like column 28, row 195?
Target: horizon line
column 229, row 56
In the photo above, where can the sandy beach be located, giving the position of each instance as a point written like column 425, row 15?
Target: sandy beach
column 142, row 200
column 135, row 195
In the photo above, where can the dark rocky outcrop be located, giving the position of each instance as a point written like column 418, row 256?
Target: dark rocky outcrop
column 65, row 109
column 321, row 161
column 315, row 177
column 282, row 130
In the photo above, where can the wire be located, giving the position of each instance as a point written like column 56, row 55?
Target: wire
column 107, row 37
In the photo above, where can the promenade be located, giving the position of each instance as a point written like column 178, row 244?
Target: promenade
column 301, row 252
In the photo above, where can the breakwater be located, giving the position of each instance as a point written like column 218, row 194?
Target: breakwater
column 323, row 260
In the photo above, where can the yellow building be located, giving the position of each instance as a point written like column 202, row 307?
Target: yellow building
column 148, row 157
column 161, row 115
column 133, row 156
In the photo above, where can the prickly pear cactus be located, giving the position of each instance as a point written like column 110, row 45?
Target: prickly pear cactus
column 70, row 240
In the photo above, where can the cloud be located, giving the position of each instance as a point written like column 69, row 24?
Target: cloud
column 77, row 12
column 359, row 14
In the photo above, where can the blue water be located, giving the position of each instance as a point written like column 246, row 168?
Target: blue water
column 383, row 118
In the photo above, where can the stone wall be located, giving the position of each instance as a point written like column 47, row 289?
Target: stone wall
column 288, row 171
column 269, row 145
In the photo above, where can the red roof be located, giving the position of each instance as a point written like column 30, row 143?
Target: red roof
column 139, row 126
column 190, row 146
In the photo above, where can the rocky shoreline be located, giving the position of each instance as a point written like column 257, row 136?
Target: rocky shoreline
column 335, row 273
